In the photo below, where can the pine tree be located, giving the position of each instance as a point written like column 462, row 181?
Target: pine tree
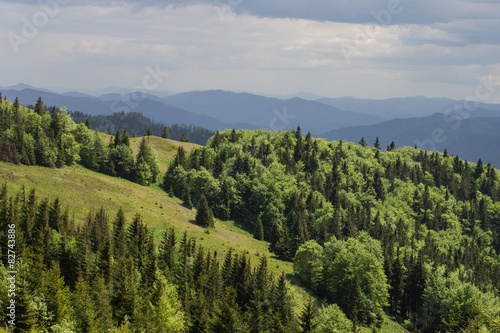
column 147, row 167
column 118, row 139
column 307, row 317
column 377, row 143
column 297, row 155
column 281, row 302
column 55, row 215
column 234, row 138
column 165, row 133
column 226, row 317
column 25, row 312
column 479, row 169
column 216, row 140
column 84, row 312
column 40, row 108
column 125, row 138
column 204, row 215
column 123, row 289
column 186, row 199
column 259, row 229
column 362, row 142
column 57, row 295
column 167, row 250
column 184, row 138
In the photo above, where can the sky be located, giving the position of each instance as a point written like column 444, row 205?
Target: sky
column 361, row 48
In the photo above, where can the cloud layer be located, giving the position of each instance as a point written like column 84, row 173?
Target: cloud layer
column 373, row 49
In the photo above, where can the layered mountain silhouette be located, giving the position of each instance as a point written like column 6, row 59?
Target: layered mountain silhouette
column 469, row 138
column 430, row 123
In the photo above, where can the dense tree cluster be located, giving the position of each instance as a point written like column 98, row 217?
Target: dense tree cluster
column 41, row 137
column 109, row 276
column 51, row 138
column 137, row 124
column 416, row 220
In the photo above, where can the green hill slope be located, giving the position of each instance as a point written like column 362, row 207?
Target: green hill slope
column 82, row 190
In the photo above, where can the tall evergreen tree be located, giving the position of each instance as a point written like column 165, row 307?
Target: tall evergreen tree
column 204, row 215
column 165, row 133
column 40, row 108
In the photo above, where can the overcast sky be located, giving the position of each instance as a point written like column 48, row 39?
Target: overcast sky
column 366, row 48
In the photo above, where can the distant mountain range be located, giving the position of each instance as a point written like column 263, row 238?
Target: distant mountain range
column 210, row 109
column 270, row 113
column 407, row 121
column 470, row 139
column 149, row 107
column 408, row 107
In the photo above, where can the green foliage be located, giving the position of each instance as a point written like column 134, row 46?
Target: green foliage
column 204, row 215
column 411, row 232
column 147, row 168
column 332, row 320
column 259, row 229
column 54, row 140
column 165, row 134
column 450, row 304
column 169, row 316
column 387, row 214
column 355, row 277
column 308, row 264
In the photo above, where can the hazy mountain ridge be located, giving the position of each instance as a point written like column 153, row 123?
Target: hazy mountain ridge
column 410, row 120
column 471, row 138
column 152, row 109
column 266, row 112
column 408, row 107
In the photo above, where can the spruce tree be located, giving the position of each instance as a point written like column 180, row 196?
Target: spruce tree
column 362, row 142
column 125, row 138
column 479, row 169
column 234, row 138
column 204, row 215
column 118, row 139
column 146, row 164
column 186, row 199
column 165, row 133
column 55, row 215
column 297, row 155
column 307, row 317
column 216, row 140
column 40, row 107
column 259, row 229
column 226, row 317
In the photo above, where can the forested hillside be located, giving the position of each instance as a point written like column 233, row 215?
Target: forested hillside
column 137, row 124
column 50, row 137
column 406, row 231
column 107, row 273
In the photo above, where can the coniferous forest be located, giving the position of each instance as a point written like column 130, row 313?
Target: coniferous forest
column 405, row 233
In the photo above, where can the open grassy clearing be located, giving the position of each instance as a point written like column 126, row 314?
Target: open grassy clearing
column 165, row 149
